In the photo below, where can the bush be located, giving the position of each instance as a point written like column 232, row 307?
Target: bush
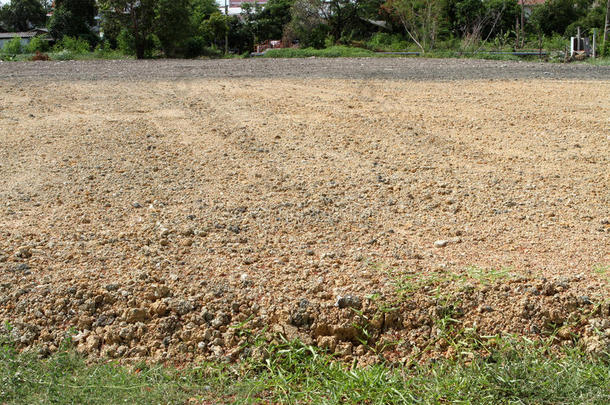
column 63, row 55
column 126, row 43
column 13, row 47
column 332, row 52
column 37, row 44
column 384, row 41
column 77, row 46
column 605, row 49
column 194, row 46
column 556, row 42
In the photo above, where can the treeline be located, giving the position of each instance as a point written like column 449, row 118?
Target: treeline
column 191, row 28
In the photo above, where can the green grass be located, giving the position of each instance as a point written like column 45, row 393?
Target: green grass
column 604, row 61
column 331, row 52
column 516, row 371
column 66, row 55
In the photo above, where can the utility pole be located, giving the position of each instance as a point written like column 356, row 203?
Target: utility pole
column 227, row 30
column 594, row 42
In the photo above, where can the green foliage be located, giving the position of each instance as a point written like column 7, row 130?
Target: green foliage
column 307, row 24
column 420, row 19
column 331, row 52
column 172, row 23
column 605, row 49
column 103, row 50
column 13, row 47
column 594, row 18
column 126, row 43
column 77, row 46
column 197, row 46
column 22, row 15
column 555, row 42
column 554, row 16
column 512, row 371
column 137, row 17
column 269, row 21
column 201, row 10
column 383, row 41
column 215, row 28
column 37, row 44
column 73, row 18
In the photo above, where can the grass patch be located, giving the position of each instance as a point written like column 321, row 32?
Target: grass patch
column 331, row 52
column 516, row 371
column 67, row 55
column 605, row 61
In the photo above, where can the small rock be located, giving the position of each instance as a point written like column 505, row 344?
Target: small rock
column 441, row 243
column 92, row 343
column 21, row 267
column 349, row 301
column 344, row 349
column 159, row 308
column 181, row 307
column 134, row 315
column 23, row 252
column 328, row 343
column 565, row 333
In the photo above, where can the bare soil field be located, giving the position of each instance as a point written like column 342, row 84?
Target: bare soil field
column 178, row 220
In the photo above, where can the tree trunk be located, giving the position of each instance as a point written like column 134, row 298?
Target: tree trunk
column 607, row 25
column 522, row 24
column 140, row 49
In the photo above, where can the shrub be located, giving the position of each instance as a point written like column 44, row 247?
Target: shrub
column 63, row 55
column 126, row 43
column 13, row 47
column 332, row 52
column 194, row 46
column 605, row 49
column 76, row 46
column 556, row 42
column 387, row 42
column 37, row 44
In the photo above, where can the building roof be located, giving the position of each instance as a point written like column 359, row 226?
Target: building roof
column 28, row 34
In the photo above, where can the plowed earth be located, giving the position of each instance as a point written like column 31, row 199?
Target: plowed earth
column 178, row 220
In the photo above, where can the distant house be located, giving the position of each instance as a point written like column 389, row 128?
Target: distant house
column 25, row 37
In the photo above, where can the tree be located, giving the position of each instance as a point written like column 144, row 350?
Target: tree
column 476, row 20
column 308, row 23
column 420, row 19
column 22, row 15
column 73, row 18
column 201, row 10
column 172, row 25
column 270, row 20
column 137, row 17
column 215, row 27
column 553, row 17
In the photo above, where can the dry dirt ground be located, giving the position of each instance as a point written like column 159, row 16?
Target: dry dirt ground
column 179, row 219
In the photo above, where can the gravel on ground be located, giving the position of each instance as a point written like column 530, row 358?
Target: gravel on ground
column 168, row 211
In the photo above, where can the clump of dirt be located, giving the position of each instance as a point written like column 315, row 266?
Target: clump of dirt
column 39, row 56
column 181, row 221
